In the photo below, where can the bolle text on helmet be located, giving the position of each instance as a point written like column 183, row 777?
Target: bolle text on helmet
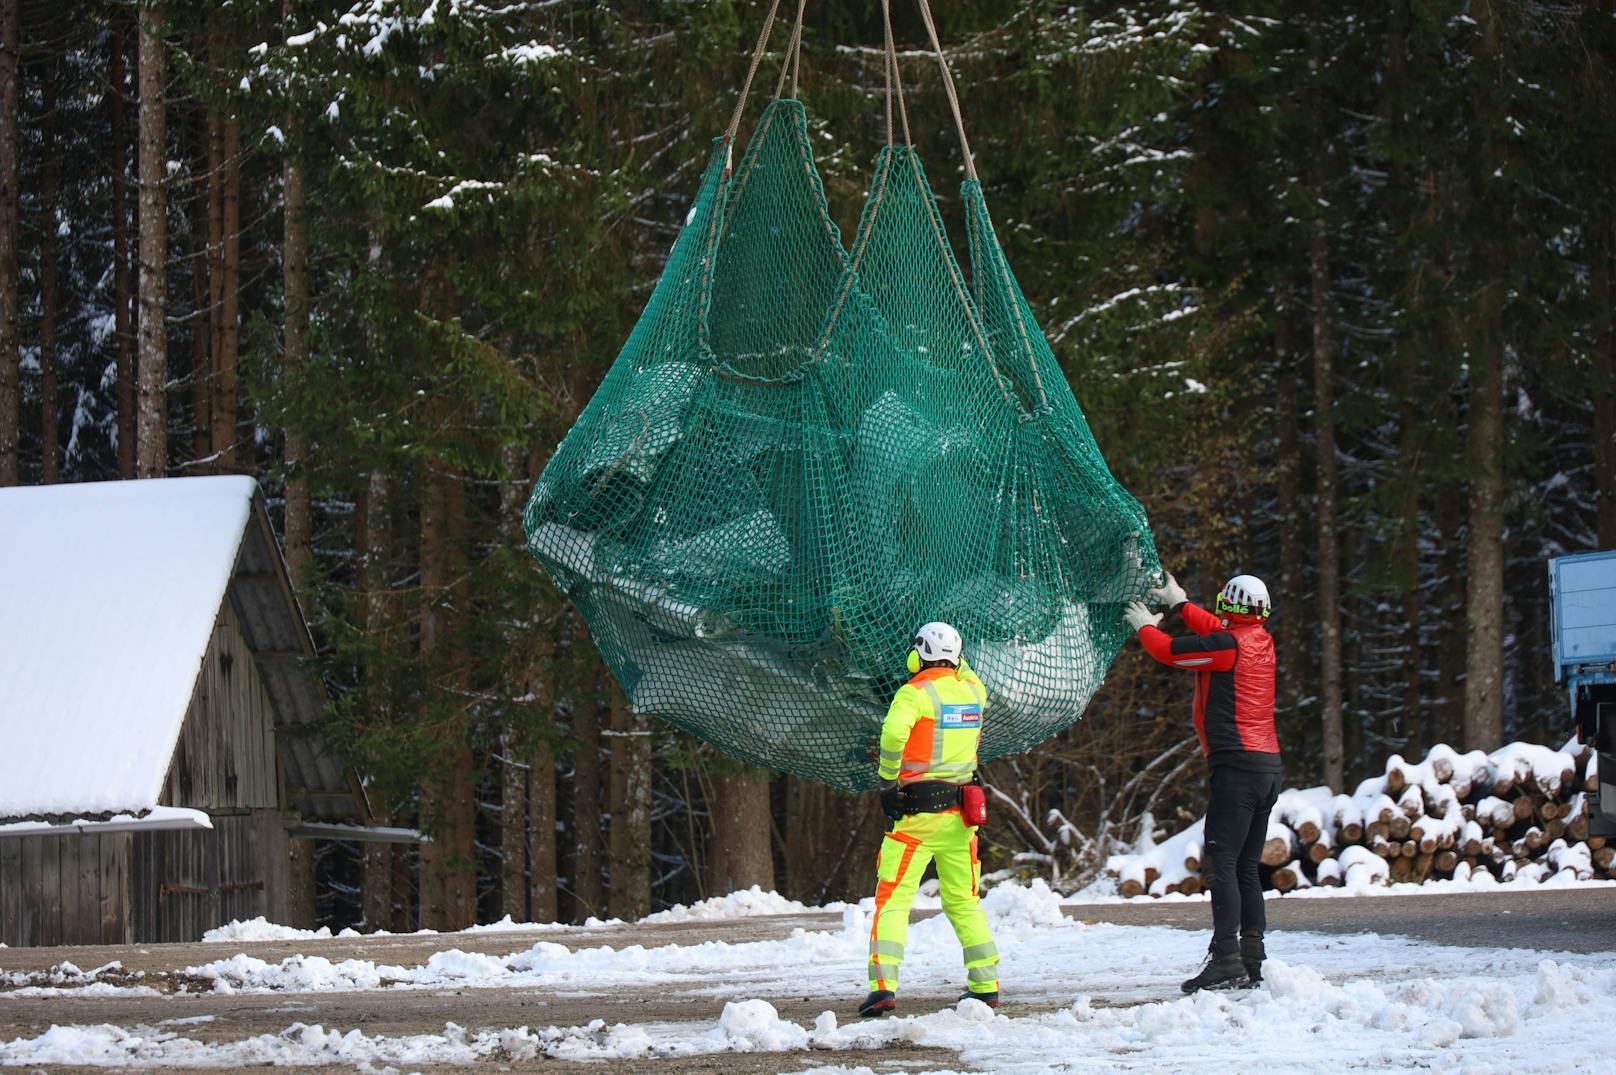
column 1244, row 595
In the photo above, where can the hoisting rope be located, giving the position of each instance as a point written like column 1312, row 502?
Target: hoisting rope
column 793, row 60
column 894, row 78
column 746, row 88
column 948, row 86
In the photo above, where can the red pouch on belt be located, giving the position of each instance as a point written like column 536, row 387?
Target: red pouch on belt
column 974, row 804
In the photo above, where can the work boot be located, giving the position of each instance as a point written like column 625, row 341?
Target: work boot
column 1219, row 972
column 1252, row 955
column 878, row 1003
column 990, row 999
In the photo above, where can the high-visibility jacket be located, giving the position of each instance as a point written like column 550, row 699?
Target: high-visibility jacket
column 932, row 728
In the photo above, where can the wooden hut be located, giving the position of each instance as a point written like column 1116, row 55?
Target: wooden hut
column 159, row 721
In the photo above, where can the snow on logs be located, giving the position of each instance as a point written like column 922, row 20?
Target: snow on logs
column 1519, row 812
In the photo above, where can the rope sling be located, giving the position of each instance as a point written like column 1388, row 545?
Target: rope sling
column 805, row 449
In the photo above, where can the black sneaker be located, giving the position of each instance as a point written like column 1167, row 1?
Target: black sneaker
column 1219, row 972
column 990, row 999
column 878, row 1003
column 1252, row 955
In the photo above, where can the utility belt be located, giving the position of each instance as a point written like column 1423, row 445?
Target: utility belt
column 931, row 796
column 937, row 796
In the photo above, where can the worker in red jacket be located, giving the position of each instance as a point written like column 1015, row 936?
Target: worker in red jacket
column 1232, row 656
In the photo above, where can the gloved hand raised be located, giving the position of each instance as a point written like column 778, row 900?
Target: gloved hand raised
column 892, row 804
column 1170, row 593
column 1138, row 615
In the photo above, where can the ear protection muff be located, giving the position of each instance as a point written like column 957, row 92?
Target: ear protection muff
column 912, row 662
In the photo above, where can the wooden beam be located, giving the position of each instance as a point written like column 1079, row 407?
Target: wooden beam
column 310, row 830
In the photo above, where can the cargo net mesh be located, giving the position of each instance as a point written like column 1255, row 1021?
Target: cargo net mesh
column 805, row 451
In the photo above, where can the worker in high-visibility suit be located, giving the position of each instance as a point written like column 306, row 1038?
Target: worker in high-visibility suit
column 928, row 756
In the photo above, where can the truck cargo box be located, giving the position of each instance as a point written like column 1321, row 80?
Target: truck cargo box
column 1583, row 589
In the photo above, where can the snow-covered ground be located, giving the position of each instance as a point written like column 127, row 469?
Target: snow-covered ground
column 1079, row 998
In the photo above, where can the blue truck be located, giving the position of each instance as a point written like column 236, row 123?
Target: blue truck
column 1582, row 589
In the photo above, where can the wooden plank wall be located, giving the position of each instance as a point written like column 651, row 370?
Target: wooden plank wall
column 225, row 758
column 170, row 886
column 187, row 882
column 64, row 889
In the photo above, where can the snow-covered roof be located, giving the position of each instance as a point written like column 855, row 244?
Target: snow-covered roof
column 108, row 596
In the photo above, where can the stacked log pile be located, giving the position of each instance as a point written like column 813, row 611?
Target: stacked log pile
column 1518, row 815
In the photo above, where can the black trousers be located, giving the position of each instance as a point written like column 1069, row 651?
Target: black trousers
column 1236, row 826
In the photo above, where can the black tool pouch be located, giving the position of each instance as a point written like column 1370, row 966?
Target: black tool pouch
column 931, row 796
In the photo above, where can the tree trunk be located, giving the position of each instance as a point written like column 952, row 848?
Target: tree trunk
column 122, row 314
column 206, row 368
column 1408, row 553
column 1484, row 591
column 295, row 340
column 49, row 399
column 1484, row 549
column 1292, row 650
column 586, row 819
column 1416, row 289
column 203, row 334
column 542, row 858
column 10, row 345
column 1448, row 707
column 513, row 888
column 376, row 894
column 1603, row 260
column 300, row 891
column 543, row 894
column 373, row 539
column 223, row 402
column 448, row 863
column 631, row 811
column 527, row 832
column 1329, row 597
column 435, row 855
column 152, row 436
column 741, row 852
column 462, row 805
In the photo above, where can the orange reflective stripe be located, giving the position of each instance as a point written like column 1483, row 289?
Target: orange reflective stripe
column 976, row 869
column 884, row 890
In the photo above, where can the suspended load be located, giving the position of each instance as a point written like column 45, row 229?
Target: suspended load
column 806, row 449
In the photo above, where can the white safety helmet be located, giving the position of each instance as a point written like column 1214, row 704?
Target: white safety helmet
column 1244, row 595
column 937, row 641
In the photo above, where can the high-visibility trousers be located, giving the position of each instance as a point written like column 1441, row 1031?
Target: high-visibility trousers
column 915, row 841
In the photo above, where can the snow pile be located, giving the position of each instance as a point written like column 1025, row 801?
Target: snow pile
column 107, row 980
column 746, row 903
column 1515, row 816
column 262, row 929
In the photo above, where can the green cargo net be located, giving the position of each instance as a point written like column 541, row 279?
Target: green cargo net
column 805, row 451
